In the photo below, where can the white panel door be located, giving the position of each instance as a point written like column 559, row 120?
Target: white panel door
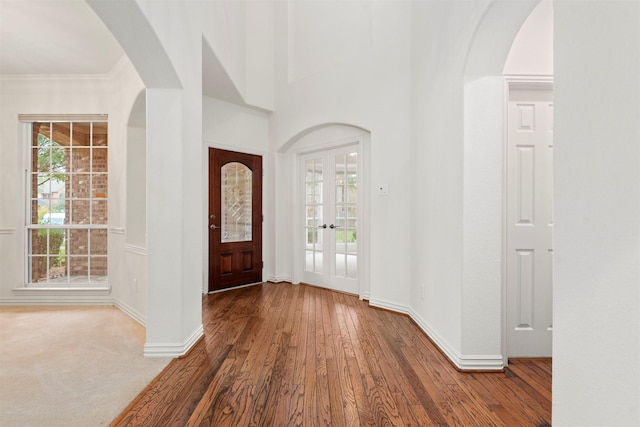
column 529, row 222
column 330, row 230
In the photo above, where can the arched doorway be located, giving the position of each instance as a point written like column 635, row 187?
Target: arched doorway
column 485, row 154
column 171, row 329
column 330, row 222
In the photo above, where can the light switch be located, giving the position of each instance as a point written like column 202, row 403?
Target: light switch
column 383, row 189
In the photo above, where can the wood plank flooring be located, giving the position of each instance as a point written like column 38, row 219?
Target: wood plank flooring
column 278, row 354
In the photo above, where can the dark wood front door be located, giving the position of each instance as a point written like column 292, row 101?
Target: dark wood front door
column 235, row 219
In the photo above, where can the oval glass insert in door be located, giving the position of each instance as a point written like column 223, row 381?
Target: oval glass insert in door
column 236, row 203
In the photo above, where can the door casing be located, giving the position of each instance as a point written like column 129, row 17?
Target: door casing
column 328, row 278
column 362, row 142
column 509, row 82
column 257, row 218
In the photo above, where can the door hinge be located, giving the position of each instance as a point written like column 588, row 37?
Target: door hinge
column 262, row 264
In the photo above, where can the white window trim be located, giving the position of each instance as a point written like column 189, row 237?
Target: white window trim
column 25, row 288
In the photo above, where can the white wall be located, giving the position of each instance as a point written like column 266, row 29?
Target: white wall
column 230, row 126
column 457, row 153
column 174, row 182
column 136, row 216
column 596, row 347
column 172, row 35
column 131, row 295
column 442, row 32
column 532, row 50
column 127, row 253
column 366, row 84
column 241, row 35
column 482, row 220
column 243, row 129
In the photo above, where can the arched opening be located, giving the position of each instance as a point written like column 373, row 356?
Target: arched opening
column 484, row 285
column 171, row 329
column 139, row 40
column 528, row 187
column 324, row 171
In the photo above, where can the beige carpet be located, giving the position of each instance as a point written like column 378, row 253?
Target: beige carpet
column 70, row 366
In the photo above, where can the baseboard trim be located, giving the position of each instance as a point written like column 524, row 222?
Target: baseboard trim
column 378, row 303
column 484, row 363
column 234, row 287
column 174, row 350
column 464, row 363
column 277, row 279
column 131, row 312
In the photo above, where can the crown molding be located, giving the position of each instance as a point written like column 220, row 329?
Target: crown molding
column 118, row 68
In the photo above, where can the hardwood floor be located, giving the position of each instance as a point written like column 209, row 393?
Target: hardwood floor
column 294, row 355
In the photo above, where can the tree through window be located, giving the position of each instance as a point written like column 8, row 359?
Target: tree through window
column 67, row 226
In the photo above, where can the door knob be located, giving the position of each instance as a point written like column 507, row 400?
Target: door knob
column 213, row 227
column 334, row 226
column 322, row 226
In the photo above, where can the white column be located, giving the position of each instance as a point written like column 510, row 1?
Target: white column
column 482, row 222
column 164, row 220
column 596, row 348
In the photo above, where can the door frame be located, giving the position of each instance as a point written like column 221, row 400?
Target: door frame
column 523, row 82
column 362, row 141
column 205, row 208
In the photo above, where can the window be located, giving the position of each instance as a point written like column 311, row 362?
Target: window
column 67, row 214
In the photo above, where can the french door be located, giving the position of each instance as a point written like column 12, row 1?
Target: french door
column 330, row 210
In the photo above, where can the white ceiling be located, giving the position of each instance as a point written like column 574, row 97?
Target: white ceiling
column 54, row 37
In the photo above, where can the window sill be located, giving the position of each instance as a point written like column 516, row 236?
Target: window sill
column 68, row 290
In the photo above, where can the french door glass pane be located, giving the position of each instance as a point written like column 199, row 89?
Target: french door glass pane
column 340, row 265
column 309, row 193
column 308, row 261
column 346, row 191
column 314, row 215
column 236, row 203
column 352, row 266
column 318, row 262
